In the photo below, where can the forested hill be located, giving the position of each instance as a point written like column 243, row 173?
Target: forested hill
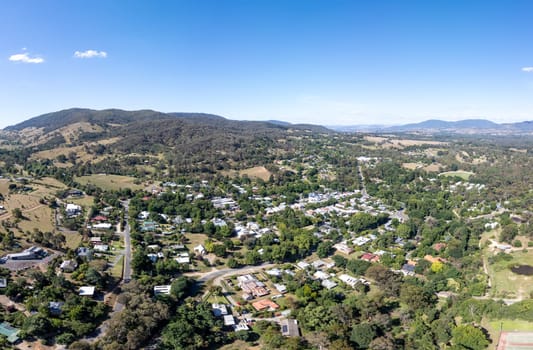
column 56, row 120
column 190, row 140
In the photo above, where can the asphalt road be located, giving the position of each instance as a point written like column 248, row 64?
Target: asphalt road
column 126, row 276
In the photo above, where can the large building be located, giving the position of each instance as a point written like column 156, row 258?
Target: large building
column 28, row 254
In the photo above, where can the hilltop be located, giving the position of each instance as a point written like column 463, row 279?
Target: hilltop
column 190, row 140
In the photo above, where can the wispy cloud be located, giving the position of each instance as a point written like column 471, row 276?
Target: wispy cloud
column 90, row 54
column 25, row 58
column 527, row 69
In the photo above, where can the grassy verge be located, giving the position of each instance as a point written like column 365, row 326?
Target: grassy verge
column 116, row 271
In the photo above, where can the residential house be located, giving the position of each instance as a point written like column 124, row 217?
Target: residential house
column 241, row 326
column 200, row 250
column 360, row 241
column 343, row 248
column 320, row 275
column 280, row 288
column 229, row 321
column 102, row 226
column 95, row 240
column 439, row 246
column 183, row 258
column 72, row 209
column 318, row 264
column 219, row 222
column 302, row 265
column 408, row 269
column 143, row 215
column 274, row 272
column 434, row 259
column 55, row 307
column 251, row 285
column 148, row 226
column 219, row 309
column 3, row 282
column 87, row 291
column 265, row 304
column 370, row 257
column 99, row 218
column 101, row 247
column 349, row 280
column 84, row 252
column 289, row 328
column 328, row 284
column 68, row 265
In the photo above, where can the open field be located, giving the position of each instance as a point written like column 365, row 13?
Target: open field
column 36, row 215
column 386, row 142
column 465, row 175
column 508, row 284
column 4, row 186
column 464, row 157
column 258, row 172
column 85, row 201
column 81, row 155
column 39, row 218
column 50, row 183
column 110, row 182
column 72, row 238
column 70, row 132
column 434, row 167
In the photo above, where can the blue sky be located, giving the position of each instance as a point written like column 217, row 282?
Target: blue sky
column 316, row 61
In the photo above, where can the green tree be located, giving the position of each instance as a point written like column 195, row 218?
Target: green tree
column 362, row 334
column 324, row 249
column 17, row 214
column 468, row 337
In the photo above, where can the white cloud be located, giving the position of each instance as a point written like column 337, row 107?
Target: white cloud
column 25, row 58
column 90, row 54
column 527, row 69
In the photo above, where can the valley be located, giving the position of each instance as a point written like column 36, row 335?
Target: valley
column 141, row 229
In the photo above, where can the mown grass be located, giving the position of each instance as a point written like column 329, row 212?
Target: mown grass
column 116, row 271
column 465, row 175
column 507, row 284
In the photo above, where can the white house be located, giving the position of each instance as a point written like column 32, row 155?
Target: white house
column 72, row 209
column 219, row 309
column 349, row 280
column 200, row 249
column 87, row 291
column 68, row 265
column 328, row 284
column 183, row 258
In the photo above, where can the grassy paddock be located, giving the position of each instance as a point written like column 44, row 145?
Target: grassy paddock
column 465, row 175
column 258, row 172
column 508, row 284
column 109, row 182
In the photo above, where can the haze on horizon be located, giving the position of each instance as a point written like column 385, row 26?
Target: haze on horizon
column 323, row 62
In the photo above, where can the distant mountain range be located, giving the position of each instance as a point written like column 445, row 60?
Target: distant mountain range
column 467, row 126
column 111, row 118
